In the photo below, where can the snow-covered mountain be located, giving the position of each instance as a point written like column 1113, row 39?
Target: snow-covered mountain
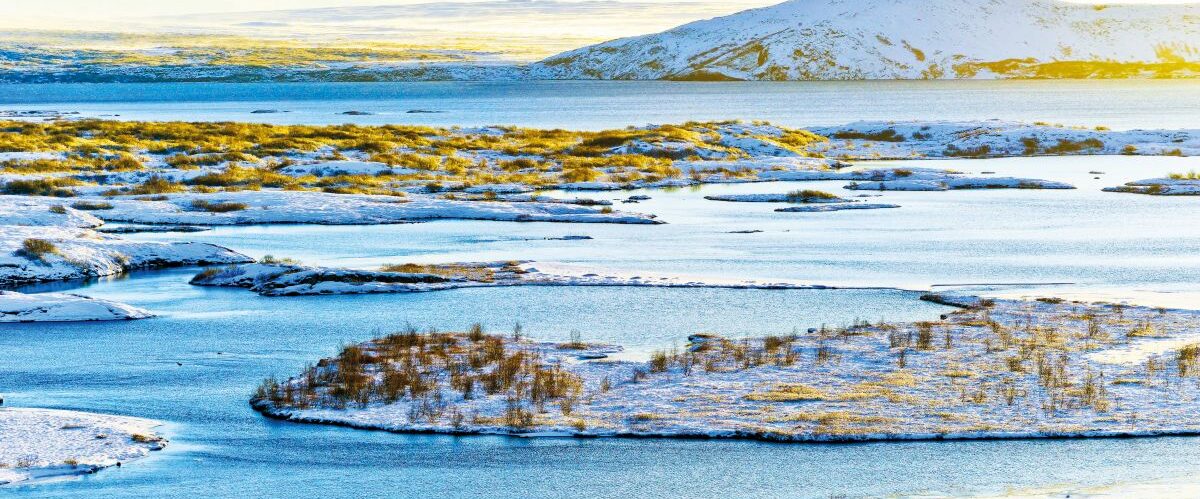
column 905, row 39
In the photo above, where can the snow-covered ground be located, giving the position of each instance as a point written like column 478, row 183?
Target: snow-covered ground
column 893, row 39
column 39, row 444
column 328, row 168
column 59, row 307
column 1181, row 487
column 815, row 203
column 38, row 244
column 958, row 183
column 270, row 207
column 270, row 279
column 1000, row 369
column 1161, row 187
column 823, row 208
column 800, row 198
column 871, row 140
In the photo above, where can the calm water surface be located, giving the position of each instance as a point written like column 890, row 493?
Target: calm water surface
column 592, row 105
column 195, row 365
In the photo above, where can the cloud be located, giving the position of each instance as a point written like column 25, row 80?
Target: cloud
column 534, row 18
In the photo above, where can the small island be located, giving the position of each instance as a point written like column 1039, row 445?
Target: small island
column 43, row 444
column 992, row 369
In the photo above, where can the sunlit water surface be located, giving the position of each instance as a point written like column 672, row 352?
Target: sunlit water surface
column 195, row 365
column 1119, row 104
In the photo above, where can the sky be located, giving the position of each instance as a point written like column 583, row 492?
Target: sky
column 530, row 28
column 55, row 13
column 550, row 25
column 50, row 10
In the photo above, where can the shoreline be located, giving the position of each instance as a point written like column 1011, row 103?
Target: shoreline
column 864, row 383
column 732, row 436
column 44, row 445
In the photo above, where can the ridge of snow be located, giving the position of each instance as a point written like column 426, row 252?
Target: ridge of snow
column 891, row 39
column 40, row 444
column 63, row 307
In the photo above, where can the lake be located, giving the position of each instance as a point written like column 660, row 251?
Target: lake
column 195, row 366
column 597, row 104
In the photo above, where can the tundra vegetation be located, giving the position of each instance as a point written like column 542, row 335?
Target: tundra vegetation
column 66, row 158
column 996, row 368
column 246, row 156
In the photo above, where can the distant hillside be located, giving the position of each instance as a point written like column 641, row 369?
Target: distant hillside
column 905, row 39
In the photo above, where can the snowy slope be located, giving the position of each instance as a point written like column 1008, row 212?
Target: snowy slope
column 63, row 307
column 905, row 39
column 45, row 444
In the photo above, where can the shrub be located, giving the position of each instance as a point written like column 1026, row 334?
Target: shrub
column 217, row 207
column 886, row 135
column 156, row 185
column 785, row 392
column 808, row 196
column 91, row 205
column 1191, row 175
column 37, row 249
column 410, row 366
column 56, row 187
column 235, row 176
column 1188, row 360
column 274, row 260
column 124, row 162
column 970, row 152
column 58, row 209
column 1065, row 146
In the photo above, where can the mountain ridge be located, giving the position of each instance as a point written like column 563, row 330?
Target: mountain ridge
column 903, row 39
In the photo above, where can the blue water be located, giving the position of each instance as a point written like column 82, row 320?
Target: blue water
column 1085, row 237
column 227, row 340
column 195, row 365
column 592, row 105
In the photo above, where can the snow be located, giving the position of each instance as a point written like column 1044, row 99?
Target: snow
column 274, row 207
column 15, row 210
column 29, row 156
column 80, row 252
column 499, row 189
column 57, row 307
column 837, row 207
column 891, row 39
column 1161, row 187
column 37, row 443
column 1180, row 487
column 297, row 280
column 528, row 198
column 995, row 138
column 807, row 205
column 330, row 168
column 591, row 186
column 899, row 185
column 875, row 383
column 773, row 198
column 956, row 183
